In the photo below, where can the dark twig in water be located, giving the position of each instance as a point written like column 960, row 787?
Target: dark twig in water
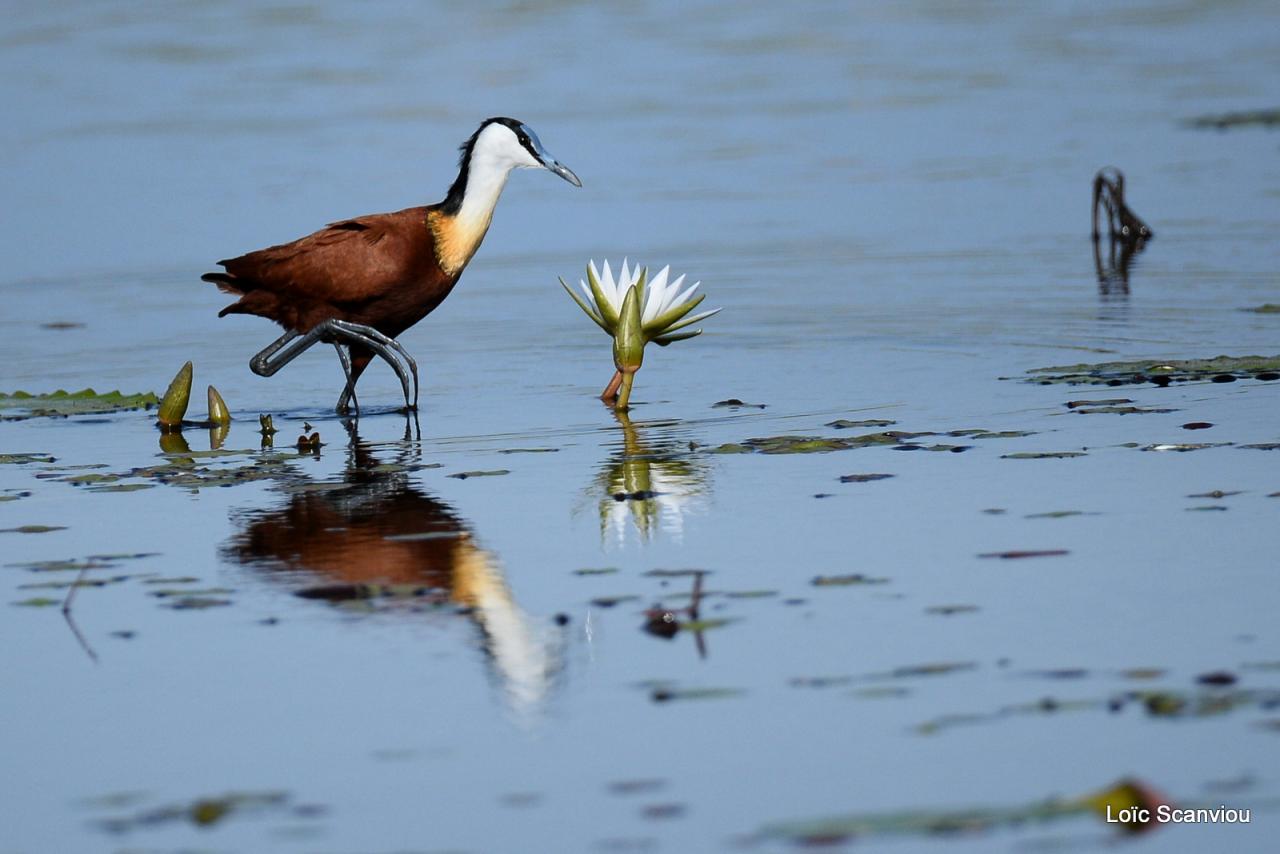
column 71, row 622
column 1108, row 193
column 1126, row 233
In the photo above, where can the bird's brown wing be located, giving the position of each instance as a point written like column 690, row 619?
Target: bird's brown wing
column 339, row 271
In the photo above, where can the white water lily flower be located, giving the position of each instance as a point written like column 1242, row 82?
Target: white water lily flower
column 665, row 303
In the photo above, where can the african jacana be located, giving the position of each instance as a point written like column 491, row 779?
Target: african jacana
column 359, row 283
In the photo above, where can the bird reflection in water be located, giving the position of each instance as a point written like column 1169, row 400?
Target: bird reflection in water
column 649, row 484
column 375, row 538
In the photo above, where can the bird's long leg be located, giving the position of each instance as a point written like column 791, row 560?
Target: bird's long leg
column 386, row 341
column 291, row 345
column 349, row 390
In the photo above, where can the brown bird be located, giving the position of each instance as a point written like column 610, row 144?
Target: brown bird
column 359, row 283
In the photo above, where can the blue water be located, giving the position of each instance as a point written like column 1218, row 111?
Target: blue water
column 890, row 203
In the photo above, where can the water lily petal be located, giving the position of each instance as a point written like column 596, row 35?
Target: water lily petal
column 673, row 290
column 657, row 293
column 662, row 323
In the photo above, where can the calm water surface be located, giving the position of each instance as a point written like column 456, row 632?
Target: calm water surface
column 891, row 204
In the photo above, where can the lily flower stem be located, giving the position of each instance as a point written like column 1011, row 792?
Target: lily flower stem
column 624, row 397
column 610, row 393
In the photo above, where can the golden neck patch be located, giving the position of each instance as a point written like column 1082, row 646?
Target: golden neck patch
column 456, row 239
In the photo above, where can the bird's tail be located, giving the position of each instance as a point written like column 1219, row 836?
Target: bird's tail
column 228, row 284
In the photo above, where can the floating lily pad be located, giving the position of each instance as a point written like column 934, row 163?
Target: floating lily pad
column 20, row 405
column 23, row 459
column 1218, row 369
column 981, row 433
column 121, row 487
column 816, row 444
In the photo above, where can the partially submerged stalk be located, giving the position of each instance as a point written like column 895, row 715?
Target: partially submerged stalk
column 176, row 398
column 219, row 414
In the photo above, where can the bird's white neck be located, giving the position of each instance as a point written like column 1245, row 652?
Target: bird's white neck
column 458, row 237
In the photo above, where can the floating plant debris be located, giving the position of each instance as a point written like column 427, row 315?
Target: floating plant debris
column 931, row 824
column 37, row 602
column 951, row 610
column 1110, row 401
column 642, row 786
column 863, row 478
column 1184, row 446
column 670, row 693
column 1018, row 554
column 1159, row 373
column 1123, row 410
column 843, row 424
column 1266, row 308
column 734, row 403
column 1043, row 455
column 463, row 475
column 1236, row 119
column 21, row 405
column 203, row 812
column 845, row 580
column 1197, row 425
column 33, row 529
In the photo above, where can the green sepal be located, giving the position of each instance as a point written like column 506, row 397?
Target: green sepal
column 582, row 304
column 664, row 340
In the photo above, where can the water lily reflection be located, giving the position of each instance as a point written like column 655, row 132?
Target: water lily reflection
column 374, row 539
column 650, row 484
